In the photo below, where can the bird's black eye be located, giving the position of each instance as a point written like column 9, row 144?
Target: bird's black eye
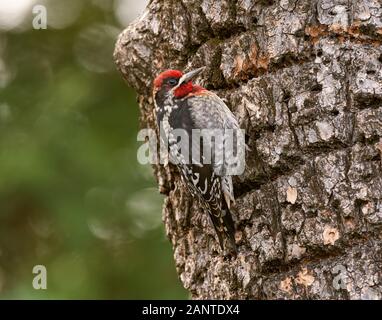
column 173, row 81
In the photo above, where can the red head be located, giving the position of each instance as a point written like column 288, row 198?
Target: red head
column 176, row 82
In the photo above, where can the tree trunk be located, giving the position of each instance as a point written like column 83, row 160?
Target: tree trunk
column 304, row 79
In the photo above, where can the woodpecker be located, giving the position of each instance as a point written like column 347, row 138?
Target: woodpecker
column 180, row 104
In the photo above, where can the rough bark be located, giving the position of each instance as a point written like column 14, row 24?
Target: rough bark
column 304, row 79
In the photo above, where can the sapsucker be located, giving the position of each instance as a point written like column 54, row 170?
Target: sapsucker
column 202, row 157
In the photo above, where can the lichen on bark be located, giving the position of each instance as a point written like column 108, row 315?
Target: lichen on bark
column 304, row 78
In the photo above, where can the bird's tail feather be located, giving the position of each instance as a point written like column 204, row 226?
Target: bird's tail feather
column 224, row 227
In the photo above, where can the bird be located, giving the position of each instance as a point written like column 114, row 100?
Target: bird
column 184, row 107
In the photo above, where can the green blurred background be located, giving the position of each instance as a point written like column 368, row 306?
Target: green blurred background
column 72, row 195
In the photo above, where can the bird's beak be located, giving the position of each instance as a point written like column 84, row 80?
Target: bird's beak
column 190, row 75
